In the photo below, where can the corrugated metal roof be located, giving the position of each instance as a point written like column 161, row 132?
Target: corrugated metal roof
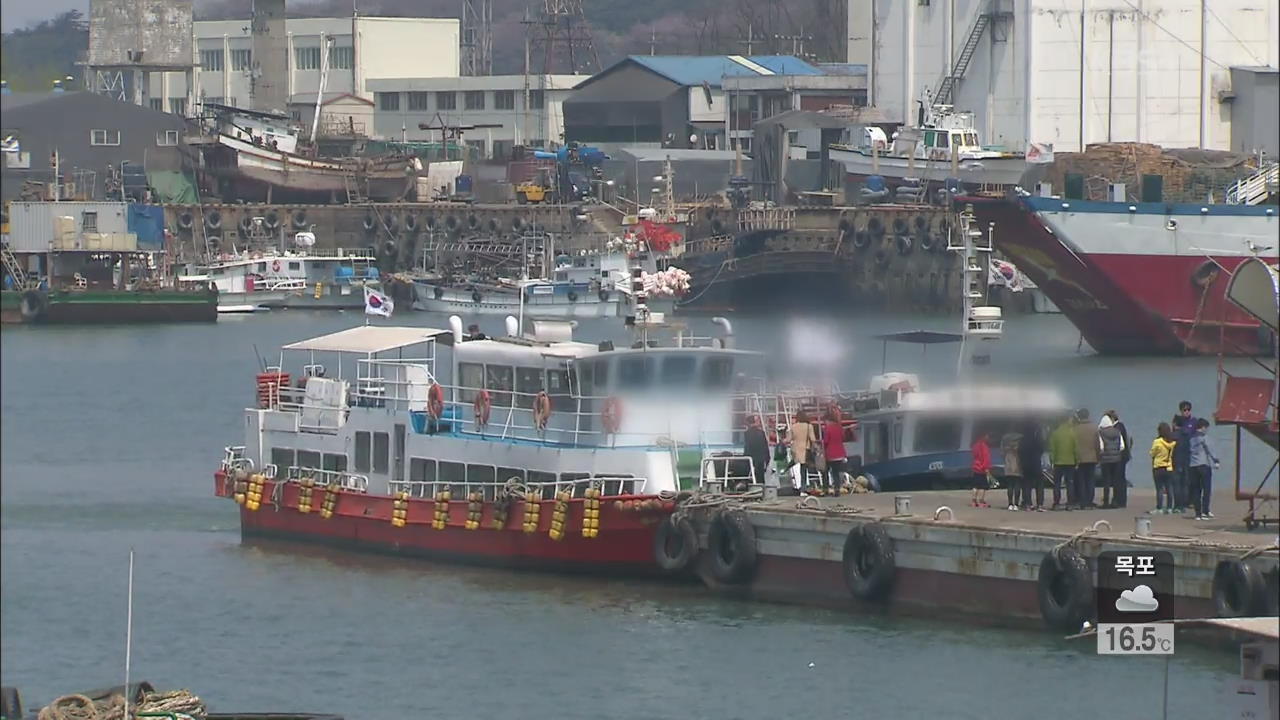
column 368, row 339
column 690, row 70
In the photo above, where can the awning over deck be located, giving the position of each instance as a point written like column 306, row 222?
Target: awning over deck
column 368, row 339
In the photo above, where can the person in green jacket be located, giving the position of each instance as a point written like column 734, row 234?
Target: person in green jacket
column 1062, row 455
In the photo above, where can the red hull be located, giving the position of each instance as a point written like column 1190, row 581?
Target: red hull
column 1126, row 304
column 363, row 522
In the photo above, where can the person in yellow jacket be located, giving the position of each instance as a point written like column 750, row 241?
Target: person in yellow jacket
column 1162, row 467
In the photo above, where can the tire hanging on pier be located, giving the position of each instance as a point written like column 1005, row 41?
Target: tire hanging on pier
column 904, row 245
column 875, row 226
column 1238, row 589
column 1065, row 589
column 868, row 562
column 861, row 239
column 370, row 222
column 185, row 221
column 437, row 292
column 245, row 224
column 675, row 544
column 1272, row 593
column 300, row 219
column 411, row 222
column 731, row 542
column 272, row 219
column 33, row 305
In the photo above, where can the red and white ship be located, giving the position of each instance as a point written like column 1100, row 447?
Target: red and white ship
column 1140, row 278
column 531, row 450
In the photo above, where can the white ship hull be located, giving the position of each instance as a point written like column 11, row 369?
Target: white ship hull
column 985, row 171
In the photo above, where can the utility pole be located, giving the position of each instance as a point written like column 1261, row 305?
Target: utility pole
column 750, row 40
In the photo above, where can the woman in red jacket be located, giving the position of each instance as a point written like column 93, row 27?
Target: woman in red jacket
column 981, row 470
column 833, row 448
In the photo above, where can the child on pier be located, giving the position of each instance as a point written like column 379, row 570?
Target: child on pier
column 981, row 470
column 1162, row 467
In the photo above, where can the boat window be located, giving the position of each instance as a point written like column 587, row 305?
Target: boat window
column 363, row 452
column 717, row 373
column 579, row 489
column 897, row 437
column 282, row 458
column 543, row 482
column 422, row 470
column 937, row 434
column 455, row 474
column 497, row 378
column 293, row 265
column 579, row 262
column 635, row 372
column 558, row 389
column 528, row 385
column 508, row 474
column 971, row 139
column 602, row 378
column 309, row 459
column 480, row 474
column 381, row 452
column 335, row 463
column 262, row 267
column 585, row 372
column 678, row 371
column 928, row 138
column 944, row 140
column 995, row 428
column 470, row 378
column 561, row 275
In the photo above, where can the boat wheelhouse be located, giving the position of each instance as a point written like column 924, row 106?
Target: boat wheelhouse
column 304, row 278
column 530, row 449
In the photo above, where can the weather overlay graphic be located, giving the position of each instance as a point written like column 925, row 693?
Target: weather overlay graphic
column 1135, row 603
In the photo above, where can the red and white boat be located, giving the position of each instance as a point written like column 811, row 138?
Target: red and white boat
column 531, row 450
column 1140, row 278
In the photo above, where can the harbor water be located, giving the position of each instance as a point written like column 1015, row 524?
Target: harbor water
column 111, row 436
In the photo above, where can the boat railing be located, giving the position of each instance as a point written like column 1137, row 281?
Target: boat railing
column 519, row 489
column 328, row 478
column 233, row 459
column 728, row 471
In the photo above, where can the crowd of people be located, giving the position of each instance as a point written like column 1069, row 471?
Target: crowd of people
column 1081, row 455
column 812, row 447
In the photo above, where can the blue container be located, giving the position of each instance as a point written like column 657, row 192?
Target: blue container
column 371, row 272
column 462, row 185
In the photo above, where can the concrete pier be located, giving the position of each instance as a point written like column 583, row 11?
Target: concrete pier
column 979, row 562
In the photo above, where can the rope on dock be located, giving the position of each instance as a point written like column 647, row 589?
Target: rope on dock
column 810, row 502
column 1259, row 550
column 79, row 707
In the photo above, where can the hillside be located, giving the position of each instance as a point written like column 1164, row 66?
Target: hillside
column 33, row 57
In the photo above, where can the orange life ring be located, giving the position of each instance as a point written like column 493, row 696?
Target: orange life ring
column 275, row 266
column 435, row 401
column 482, row 405
column 541, row 410
column 611, row 415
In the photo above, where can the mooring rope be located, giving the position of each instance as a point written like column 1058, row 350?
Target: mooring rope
column 80, row 707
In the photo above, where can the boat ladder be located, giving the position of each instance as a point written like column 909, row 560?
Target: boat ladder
column 1255, row 189
column 355, row 194
column 15, row 270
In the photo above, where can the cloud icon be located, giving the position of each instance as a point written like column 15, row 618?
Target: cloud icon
column 1137, row 600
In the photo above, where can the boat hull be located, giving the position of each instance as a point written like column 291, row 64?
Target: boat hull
column 114, row 306
column 246, row 164
column 507, row 302
column 362, row 522
column 988, row 171
column 1139, row 279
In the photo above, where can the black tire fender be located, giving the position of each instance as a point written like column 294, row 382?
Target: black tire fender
column 1064, row 588
column 875, row 226
column 1272, row 592
column 1238, row 589
column 517, row 224
column 437, row 292
column 899, row 226
column 411, row 222
column 905, row 245
column 731, row 542
column 370, row 222
column 33, row 305
column 861, row 240
column 300, row 219
column 868, row 562
column 603, row 295
column 573, row 296
column 475, row 296
column 675, row 544
column 245, row 224
column 272, row 219
column 213, row 220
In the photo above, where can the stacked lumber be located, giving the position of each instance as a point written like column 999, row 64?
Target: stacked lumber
column 1189, row 175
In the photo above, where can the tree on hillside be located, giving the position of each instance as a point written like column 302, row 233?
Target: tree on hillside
column 31, row 58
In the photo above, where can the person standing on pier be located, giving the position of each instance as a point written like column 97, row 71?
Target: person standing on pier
column 1162, row 467
column 1111, row 447
column 1201, row 473
column 833, row 449
column 1062, row 455
column 1009, row 445
column 1127, row 455
column 1031, row 460
column 981, row 470
column 756, row 446
column 1184, row 426
column 1086, row 459
column 802, row 447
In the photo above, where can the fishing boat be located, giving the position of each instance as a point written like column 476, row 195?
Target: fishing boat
column 529, row 450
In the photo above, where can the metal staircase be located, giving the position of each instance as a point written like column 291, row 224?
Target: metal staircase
column 1255, row 190
column 15, row 269
column 946, row 89
column 355, row 194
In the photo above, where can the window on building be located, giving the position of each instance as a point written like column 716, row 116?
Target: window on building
column 388, row 101
column 342, row 58
column 502, row 149
column 213, row 101
column 306, row 58
column 446, row 101
column 241, row 59
column 156, row 104
column 295, row 115
column 537, row 99
column 89, row 222
column 381, row 452
column 104, row 137
column 211, row 60
column 504, row 100
column 475, row 99
column 231, row 101
column 167, row 138
column 419, row 100
column 860, row 97
column 362, row 451
column 178, row 106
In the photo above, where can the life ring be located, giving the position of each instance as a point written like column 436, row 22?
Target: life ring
column 437, row 292
column 675, row 544
column 573, row 296
column 541, row 410
column 275, row 266
column 370, row 222
column 861, row 240
column 435, row 401
column 611, row 415
column 868, row 561
column 875, row 226
column 482, row 405
column 34, row 305
column 1238, row 589
column 411, row 222
column 1205, row 274
column 731, row 543
column 300, row 219
column 603, row 295
column 475, row 296
column 185, row 221
column 1065, row 589
column 272, row 219
column 904, row 245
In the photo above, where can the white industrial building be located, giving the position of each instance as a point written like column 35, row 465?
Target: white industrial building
column 361, row 50
column 521, row 111
column 1068, row 72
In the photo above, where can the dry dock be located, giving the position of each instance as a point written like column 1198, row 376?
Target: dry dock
column 996, row 565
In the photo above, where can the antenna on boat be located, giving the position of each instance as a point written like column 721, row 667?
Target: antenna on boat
column 128, row 636
column 981, row 320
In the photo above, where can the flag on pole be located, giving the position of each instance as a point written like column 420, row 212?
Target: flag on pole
column 375, row 303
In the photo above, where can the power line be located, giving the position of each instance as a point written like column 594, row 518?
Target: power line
column 1166, row 31
column 1233, row 35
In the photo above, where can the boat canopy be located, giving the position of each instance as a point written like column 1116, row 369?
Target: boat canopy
column 368, row 339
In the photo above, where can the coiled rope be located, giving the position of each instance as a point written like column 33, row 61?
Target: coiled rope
column 79, row 707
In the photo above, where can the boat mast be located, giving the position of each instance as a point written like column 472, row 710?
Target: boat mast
column 980, row 321
column 128, row 636
column 324, row 76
